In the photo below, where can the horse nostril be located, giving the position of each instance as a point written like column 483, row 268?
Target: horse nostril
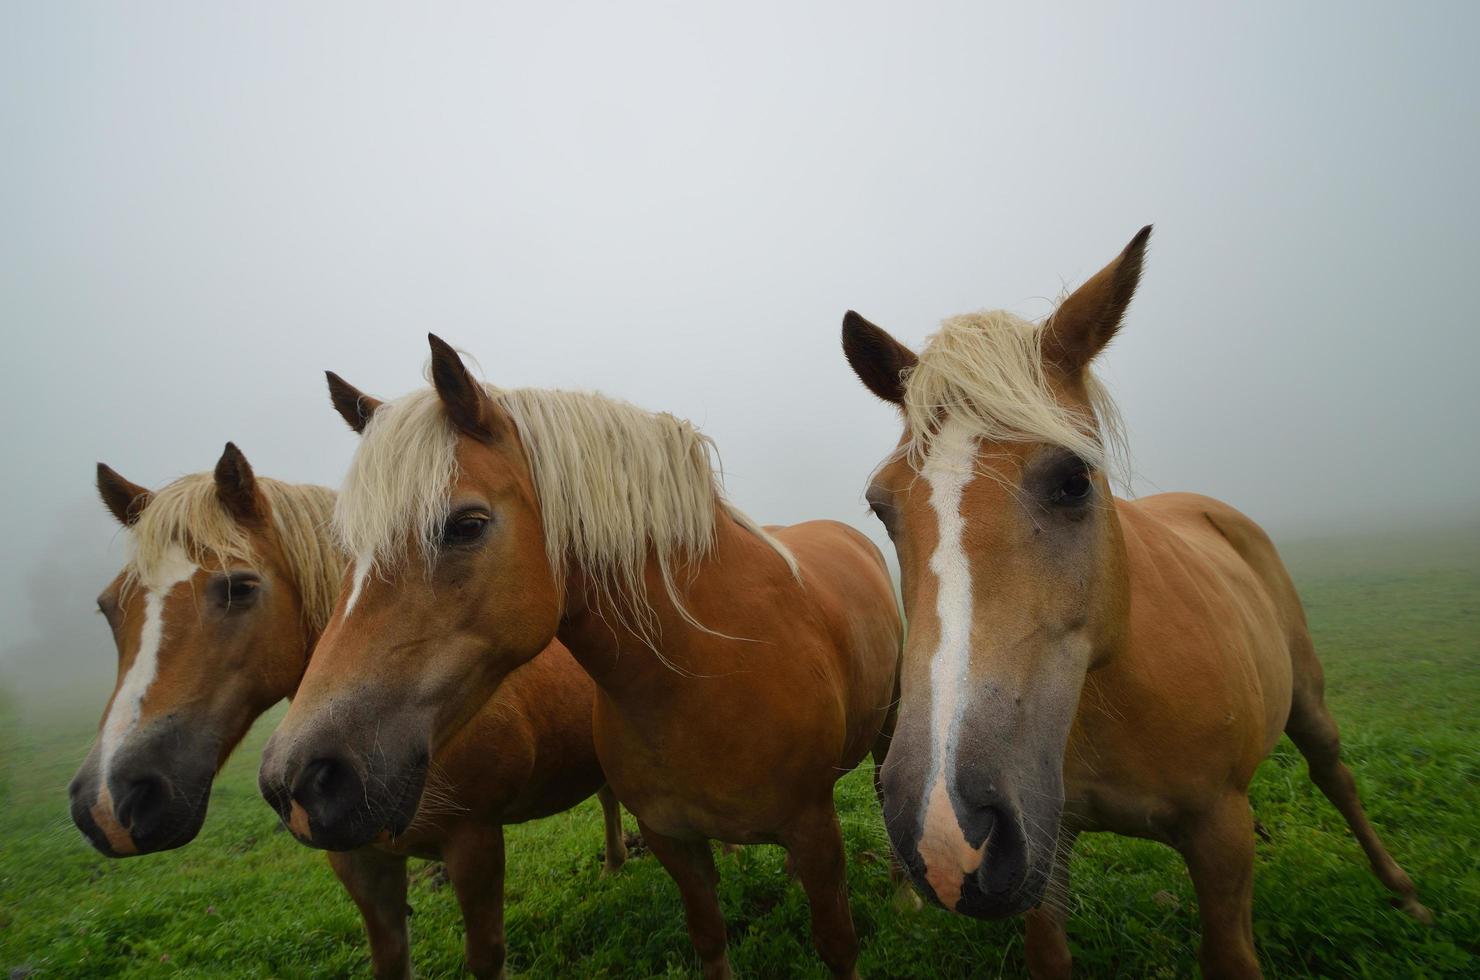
column 979, row 822
column 317, row 780
column 328, row 790
column 142, row 804
column 1003, row 871
column 321, row 775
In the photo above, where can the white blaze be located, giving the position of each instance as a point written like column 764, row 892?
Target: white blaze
column 128, row 703
column 948, row 469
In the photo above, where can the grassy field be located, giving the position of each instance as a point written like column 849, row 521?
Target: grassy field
column 1397, row 624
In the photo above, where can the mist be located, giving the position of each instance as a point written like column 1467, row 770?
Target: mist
column 202, row 208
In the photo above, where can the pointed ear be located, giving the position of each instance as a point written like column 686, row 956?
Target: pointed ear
column 124, row 500
column 1086, row 321
column 877, row 358
column 462, row 396
column 236, row 486
column 353, row 405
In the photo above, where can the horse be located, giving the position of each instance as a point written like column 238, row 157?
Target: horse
column 1077, row 662
column 215, row 617
column 740, row 671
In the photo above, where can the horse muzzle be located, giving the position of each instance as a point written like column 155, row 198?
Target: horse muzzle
column 139, row 810
column 967, row 847
column 329, row 799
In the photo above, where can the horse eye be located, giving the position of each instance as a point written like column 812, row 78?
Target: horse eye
column 241, row 589
column 1074, row 488
column 465, row 528
column 237, row 589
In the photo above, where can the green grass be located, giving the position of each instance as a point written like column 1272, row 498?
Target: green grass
column 1398, row 627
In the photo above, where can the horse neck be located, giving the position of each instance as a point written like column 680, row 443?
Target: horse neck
column 621, row 660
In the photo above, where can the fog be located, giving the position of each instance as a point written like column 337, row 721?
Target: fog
column 203, row 208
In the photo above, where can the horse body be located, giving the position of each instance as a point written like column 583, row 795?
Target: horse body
column 1077, row 662
column 1200, row 690
column 728, row 736
column 741, row 737
column 740, row 674
column 526, row 754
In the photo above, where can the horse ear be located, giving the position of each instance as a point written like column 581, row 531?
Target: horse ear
column 236, row 486
column 1086, row 321
column 462, row 396
column 353, row 405
column 877, row 358
column 124, row 500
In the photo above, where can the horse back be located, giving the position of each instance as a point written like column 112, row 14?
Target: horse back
column 1194, row 516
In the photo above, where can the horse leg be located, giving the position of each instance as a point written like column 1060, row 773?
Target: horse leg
column 474, row 855
column 1314, row 733
column 815, row 845
column 376, row 881
column 1219, row 851
column 616, row 847
column 691, row 866
column 1047, row 945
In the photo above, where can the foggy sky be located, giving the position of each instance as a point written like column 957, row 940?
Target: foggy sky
column 201, row 209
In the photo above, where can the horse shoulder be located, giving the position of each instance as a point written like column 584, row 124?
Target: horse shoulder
column 846, row 580
column 1209, row 619
column 516, row 754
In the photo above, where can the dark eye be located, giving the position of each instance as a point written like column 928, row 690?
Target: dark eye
column 1074, row 488
column 241, row 589
column 237, row 589
column 465, row 528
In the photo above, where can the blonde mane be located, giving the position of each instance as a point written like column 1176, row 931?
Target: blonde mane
column 187, row 515
column 615, row 483
column 987, row 370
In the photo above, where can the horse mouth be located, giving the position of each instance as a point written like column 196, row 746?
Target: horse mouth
column 376, row 821
column 408, row 802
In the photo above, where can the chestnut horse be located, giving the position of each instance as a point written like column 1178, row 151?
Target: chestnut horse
column 740, row 672
column 1077, row 662
column 216, row 616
